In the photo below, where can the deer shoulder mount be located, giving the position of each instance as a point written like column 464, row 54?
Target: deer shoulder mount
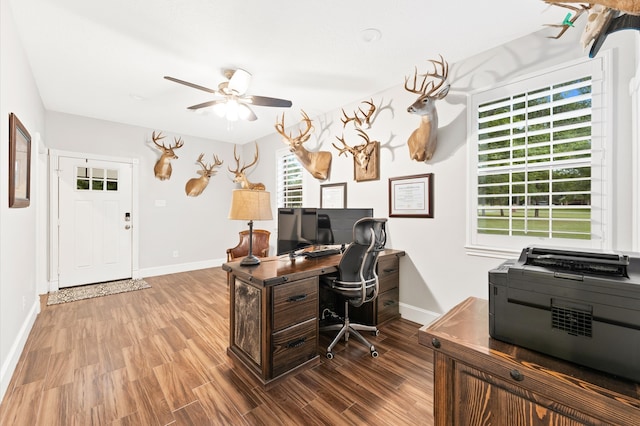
column 317, row 163
column 240, row 175
column 195, row 186
column 162, row 169
column 603, row 18
column 423, row 140
column 365, row 155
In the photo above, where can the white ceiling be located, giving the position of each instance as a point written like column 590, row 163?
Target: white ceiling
column 107, row 59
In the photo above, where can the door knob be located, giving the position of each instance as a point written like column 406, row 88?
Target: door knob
column 127, row 227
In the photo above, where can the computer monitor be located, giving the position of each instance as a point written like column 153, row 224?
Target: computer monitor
column 297, row 228
column 301, row 227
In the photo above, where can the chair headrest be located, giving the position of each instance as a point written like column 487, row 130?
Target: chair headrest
column 362, row 232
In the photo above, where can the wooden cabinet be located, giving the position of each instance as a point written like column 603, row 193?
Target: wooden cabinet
column 275, row 328
column 482, row 381
column 387, row 305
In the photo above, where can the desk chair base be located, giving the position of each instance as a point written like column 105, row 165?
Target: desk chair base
column 346, row 329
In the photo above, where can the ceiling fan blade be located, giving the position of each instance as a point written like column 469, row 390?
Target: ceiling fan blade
column 186, row 83
column 252, row 116
column 265, row 101
column 239, row 81
column 206, row 104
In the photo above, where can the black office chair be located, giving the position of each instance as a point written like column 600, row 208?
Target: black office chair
column 356, row 280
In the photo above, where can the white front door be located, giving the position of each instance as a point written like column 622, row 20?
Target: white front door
column 94, row 221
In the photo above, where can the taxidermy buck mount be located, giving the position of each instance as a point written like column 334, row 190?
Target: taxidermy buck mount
column 366, row 155
column 239, row 173
column 603, row 18
column 195, row 186
column 317, row 163
column 162, row 169
column 423, row 140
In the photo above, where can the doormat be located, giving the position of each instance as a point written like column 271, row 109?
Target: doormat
column 72, row 294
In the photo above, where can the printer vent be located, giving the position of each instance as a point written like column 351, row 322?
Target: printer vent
column 574, row 321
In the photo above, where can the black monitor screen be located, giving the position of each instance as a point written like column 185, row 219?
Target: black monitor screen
column 297, row 228
column 335, row 226
column 302, row 227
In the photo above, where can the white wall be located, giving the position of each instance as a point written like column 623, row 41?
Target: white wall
column 18, row 299
column 196, row 227
column 437, row 272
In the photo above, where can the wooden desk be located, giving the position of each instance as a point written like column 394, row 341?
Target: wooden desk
column 479, row 380
column 273, row 320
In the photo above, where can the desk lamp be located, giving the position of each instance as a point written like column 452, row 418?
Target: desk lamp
column 250, row 204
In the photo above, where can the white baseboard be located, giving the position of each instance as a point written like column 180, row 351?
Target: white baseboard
column 180, row 267
column 419, row 315
column 10, row 363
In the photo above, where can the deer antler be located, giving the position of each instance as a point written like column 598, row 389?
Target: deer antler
column 366, row 116
column 155, row 138
column 209, row 167
column 244, row 166
column 346, row 148
column 566, row 24
column 429, row 87
column 302, row 137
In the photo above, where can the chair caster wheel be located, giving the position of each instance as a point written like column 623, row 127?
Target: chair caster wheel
column 374, row 354
column 376, row 333
column 329, row 355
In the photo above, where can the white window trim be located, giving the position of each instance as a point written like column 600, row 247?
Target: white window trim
column 634, row 90
column 506, row 247
column 279, row 153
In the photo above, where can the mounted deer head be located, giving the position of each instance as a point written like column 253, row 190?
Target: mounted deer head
column 604, row 17
column 365, row 157
column 317, row 163
column 241, row 176
column 162, row 169
column 358, row 121
column 423, row 140
column 195, row 186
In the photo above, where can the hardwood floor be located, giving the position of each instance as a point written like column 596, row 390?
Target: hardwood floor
column 158, row 357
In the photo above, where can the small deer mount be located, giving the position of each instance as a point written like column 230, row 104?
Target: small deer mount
column 317, row 163
column 422, row 142
column 604, row 17
column 195, row 186
column 162, row 169
column 366, row 157
column 239, row 173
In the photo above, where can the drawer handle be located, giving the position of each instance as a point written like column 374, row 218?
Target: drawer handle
column 296, row 343
column 389, row 303
column 389, row 270
column 516, row 375
column 298, row 298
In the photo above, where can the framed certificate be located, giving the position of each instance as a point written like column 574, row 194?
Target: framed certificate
column 411, row 196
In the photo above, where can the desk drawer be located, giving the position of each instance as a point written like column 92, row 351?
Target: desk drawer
column 295, row 302
column 388, row 273
column 388, row 306
column 294, row 346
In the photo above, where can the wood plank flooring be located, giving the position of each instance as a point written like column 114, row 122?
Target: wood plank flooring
column 158, row 357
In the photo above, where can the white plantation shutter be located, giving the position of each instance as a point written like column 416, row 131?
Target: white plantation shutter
column 537, row 160
column 289, row 180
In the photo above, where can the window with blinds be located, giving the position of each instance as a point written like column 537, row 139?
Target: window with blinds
column 535, row 143
column 290, row 182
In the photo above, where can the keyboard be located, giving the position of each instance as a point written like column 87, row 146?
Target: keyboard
column 321, row 253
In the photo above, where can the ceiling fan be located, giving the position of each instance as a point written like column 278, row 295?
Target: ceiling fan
column 234, row 103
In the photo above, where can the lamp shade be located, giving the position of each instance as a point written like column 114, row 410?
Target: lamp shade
column 249, row 204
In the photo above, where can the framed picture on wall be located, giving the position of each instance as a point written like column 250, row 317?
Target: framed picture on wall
column 333, row 195
column 19, row 163
column 411, row 196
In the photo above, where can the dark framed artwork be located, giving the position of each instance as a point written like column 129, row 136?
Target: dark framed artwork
column 19, row 163
column 411, row 196
column 333, row 195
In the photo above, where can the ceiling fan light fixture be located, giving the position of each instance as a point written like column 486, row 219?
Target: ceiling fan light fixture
column 243, row 111
column 220, row 109
column 232, row 110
